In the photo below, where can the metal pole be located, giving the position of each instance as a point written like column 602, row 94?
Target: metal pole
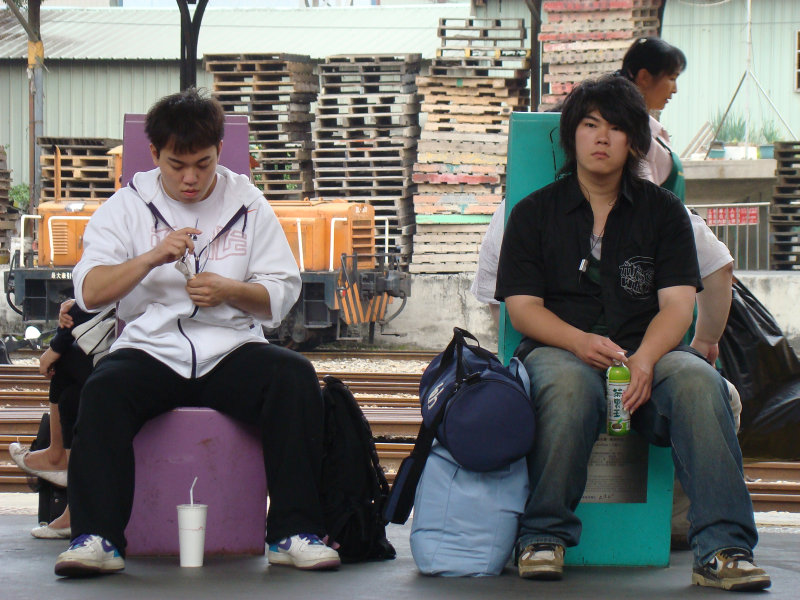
column 775, row 108
column 749, row 60
column 36, row 127
column 190, row 32
column 727, row 110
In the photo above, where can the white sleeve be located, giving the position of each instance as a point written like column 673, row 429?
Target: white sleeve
column 485, row 281
column 657, row 164
column 272, row 264
column 106, row 241
column 712, row 254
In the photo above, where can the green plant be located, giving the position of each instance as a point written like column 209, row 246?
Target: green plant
column 733, row 128
column 20, row 196
column 769, row 131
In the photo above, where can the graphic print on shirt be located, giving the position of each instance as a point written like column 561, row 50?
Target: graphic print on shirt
column 637, row 276
column 232, row 243
column 157, row 234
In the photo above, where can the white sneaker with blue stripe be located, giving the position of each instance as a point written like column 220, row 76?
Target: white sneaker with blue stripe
column 303, row 551
column 89, row 555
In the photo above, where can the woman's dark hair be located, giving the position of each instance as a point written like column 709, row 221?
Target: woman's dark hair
column 620, row 103
column 653, row 54
column 188, row 120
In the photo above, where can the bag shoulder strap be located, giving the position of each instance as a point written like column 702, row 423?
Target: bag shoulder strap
column 106, row 313
column 417, row 459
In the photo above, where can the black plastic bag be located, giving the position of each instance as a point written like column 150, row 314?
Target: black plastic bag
column 758, row 359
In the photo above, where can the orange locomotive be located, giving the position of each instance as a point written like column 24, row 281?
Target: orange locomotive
column 347, row 285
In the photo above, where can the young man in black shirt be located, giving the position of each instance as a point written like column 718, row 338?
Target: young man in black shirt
column 598, row 267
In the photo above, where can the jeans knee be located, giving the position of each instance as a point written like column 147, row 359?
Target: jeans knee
column 696, row 389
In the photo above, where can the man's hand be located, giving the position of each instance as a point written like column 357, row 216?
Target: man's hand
column 641, row 386
column 64, row 318
column 598, row 351
column 208, row 289
column 47, row 361
column 173, row 247
column 708, row 350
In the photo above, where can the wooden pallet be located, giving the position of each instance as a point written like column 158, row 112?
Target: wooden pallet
column 77, row 168
column 447, row 247
column 276, row 91
column 481, row 32
column 366, row 132
column 587, row 39
column 456, row 203
column 477, row 80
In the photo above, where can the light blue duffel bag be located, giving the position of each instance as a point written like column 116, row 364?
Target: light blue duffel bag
column 465, row 523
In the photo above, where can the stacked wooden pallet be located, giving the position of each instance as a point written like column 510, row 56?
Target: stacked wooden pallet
column 77, row 168
column 478, row 78
column 588, row 38
column 365, row 139
column 8, row 218
column 276, row 92
column 784, row 217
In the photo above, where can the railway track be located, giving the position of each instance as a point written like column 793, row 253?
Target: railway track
column 370, row 355
column 388, row 400
column 24, row 353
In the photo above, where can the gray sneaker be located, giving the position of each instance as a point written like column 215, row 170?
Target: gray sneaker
column 542, row 561
column 89, row 555
column 731, row 569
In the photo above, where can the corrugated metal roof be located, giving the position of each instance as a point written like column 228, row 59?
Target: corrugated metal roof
column 154, row 34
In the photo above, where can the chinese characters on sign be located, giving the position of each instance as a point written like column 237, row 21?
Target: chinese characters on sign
column 744, row 215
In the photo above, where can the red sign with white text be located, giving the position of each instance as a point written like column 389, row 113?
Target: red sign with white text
column 744, row 215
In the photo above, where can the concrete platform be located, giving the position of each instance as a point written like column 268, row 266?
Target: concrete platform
column 26, row 572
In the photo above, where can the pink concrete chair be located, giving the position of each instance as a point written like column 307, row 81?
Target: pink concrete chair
column 227, row 458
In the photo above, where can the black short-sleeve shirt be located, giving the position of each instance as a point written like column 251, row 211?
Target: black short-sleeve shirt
column 648, row 245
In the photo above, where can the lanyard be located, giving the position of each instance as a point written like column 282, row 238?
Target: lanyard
column 242, row 212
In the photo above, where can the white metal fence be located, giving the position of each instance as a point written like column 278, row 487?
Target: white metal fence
column 744, row 228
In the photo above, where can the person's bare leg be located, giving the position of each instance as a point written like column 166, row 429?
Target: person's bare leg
column 54, row 457
column 61, row 522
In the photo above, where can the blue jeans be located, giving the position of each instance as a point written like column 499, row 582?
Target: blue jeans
column 688, row 411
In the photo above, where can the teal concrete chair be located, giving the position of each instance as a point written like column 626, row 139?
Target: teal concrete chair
column 614, row 533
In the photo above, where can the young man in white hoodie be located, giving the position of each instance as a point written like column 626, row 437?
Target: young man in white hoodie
column 197, row 262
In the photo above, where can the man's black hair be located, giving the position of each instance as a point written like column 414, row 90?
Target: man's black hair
column 188, row 120
column 620, row 103
column 655, row 55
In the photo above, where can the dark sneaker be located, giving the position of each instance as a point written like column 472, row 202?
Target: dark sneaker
column 731, row 569
column 542, row 561
column 303, row 551
column 89, row 555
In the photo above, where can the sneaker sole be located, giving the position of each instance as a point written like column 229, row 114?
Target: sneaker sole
column 278, row 558
column 754, row 583
column 76, row 568
column 543, row 573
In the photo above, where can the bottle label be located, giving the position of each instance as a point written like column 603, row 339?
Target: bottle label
column 618, row 419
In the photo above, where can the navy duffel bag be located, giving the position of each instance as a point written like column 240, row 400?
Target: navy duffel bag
column 477, row 408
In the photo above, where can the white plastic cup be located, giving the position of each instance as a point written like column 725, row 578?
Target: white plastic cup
column 192, row 533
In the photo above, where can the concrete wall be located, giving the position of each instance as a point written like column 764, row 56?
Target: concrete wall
column 439, row 302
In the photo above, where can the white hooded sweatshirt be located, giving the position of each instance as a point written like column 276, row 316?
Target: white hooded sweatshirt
column 159, row 317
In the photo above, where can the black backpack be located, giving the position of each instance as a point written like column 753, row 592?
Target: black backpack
column 354, row 488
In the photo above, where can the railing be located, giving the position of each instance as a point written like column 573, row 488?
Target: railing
column 744, row 228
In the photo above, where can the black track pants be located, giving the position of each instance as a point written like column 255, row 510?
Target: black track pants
column 264, row 385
